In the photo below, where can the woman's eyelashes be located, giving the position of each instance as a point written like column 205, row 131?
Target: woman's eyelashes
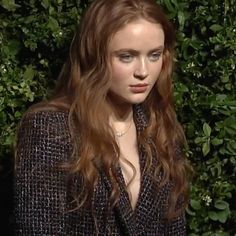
column 129, row 57
column 125, row 57
column 155, row 56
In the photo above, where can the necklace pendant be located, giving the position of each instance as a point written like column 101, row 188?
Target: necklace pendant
column 119, row 134
column 122, row 133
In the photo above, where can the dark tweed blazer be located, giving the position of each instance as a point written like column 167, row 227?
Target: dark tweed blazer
column 42, row 195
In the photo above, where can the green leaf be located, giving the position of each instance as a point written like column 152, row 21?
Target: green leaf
column 221, row 97
column 213, row 215
column 221, row 234
column 3, row 117
column 216, row 27
column 53, row 24
column 10, row 5
column 222, row 216
column 231, row 147
column 29, row 73
column 169, row 6
column 9, row 140
column 190, row 212
column 206, row 129
column 195, row 204
column 13, row 47
column 198, row 140
column 216, row 141
column 206, row 148
column 221, row 205
column 18, row 114
column 182, row 88
column 30, row 19
column 45, row 3
column 233, row 160
column 229, row 130
column 181, row 18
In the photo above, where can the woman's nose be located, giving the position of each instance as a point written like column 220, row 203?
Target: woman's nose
column 141, row 70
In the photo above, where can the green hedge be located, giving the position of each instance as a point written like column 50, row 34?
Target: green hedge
column 34, row 41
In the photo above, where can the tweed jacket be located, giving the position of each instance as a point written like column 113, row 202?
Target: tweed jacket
column 42, row 195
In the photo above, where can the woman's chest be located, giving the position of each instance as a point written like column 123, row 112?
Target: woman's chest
column 129, row 161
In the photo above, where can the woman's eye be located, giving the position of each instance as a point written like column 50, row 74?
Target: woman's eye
column 155, row 56
column 125, row 57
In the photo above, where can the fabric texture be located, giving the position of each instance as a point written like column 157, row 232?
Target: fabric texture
column 42, row 195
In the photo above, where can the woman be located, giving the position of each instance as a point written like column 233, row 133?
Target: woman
column 104, row 155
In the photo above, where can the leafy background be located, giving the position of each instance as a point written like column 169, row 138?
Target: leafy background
column 34, row 41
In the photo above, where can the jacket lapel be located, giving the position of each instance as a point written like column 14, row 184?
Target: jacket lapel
column 133, row 222
column 149, row 206
column 123, row 210
column 125, row 214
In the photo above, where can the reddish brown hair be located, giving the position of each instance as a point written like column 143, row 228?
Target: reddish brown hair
column 83, row 88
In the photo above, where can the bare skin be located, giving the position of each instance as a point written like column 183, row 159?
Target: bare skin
column 129, row 152
column 136, row 54
column 122, row 119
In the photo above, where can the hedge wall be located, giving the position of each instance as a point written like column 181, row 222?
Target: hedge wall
column 34, row 41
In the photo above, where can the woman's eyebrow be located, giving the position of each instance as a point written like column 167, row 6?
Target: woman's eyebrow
column 136, row 52
column 160, row 48
column 125, row 50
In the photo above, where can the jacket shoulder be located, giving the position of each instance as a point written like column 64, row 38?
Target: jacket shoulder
column 40, row 184
column 44, row 122
column 43, row 131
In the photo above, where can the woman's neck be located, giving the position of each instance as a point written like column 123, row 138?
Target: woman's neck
column 121, row 115
column 120, row 111
column 121, row 118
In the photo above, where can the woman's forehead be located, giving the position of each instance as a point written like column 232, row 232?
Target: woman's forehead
column 138, row 34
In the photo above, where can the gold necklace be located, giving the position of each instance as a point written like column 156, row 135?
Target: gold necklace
column 122, row 133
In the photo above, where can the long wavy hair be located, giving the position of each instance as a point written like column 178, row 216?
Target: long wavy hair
column 83, row 87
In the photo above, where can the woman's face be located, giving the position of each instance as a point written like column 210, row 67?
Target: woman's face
column 136, row 60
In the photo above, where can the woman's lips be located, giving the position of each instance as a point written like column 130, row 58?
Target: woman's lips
column 138, row 88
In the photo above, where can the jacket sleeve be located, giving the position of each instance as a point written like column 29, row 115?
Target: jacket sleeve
column 40, row 184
